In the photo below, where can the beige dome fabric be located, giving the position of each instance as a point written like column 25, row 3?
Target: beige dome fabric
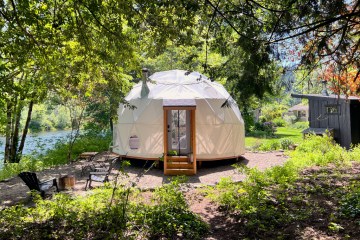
column 219, row 130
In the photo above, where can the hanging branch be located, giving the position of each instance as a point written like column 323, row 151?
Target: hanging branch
column 207, row 36
column 228, row 21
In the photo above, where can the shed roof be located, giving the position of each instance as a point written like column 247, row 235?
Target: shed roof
column 331, row 96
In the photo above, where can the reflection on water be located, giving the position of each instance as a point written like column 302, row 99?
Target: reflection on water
column 36, row 143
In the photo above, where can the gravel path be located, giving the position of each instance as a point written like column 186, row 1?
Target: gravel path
column 14, row 191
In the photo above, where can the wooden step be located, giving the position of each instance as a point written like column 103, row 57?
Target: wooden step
column 173, row 172
column 177, row 159
column 175, row 165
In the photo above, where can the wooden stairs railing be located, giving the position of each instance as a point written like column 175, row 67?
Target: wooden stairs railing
column 179, row 165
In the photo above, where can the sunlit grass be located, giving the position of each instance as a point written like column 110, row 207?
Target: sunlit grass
column 282, row 133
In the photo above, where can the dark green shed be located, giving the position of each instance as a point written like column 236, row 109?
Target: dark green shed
column 335, row 112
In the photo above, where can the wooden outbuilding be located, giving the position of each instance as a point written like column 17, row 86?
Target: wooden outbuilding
column 336, row 113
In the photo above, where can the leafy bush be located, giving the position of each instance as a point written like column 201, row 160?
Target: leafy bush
column 279, row 122
column 350, row 205
column 259, row 200
column 102, row 215
column 269, row 146
column 286, row 143
column 272, row 111
column 268, row 128
column 171, row 215
column 258, row 126
column 355, row 153
column 290, row 119
column 300, row 125
column 315, row 150
column 67, row 217
column 46, row 117
column 27, row 163
column 319, row 151
column 93, row 142
column 249, row 120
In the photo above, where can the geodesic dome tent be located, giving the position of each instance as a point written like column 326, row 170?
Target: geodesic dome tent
column 183, row 113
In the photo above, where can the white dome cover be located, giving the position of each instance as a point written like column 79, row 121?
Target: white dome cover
column 219, row 130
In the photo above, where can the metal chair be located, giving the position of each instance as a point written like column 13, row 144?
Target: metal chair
column 92, row 163
column 100, row 174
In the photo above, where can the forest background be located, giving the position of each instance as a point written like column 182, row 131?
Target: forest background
column 66, row 63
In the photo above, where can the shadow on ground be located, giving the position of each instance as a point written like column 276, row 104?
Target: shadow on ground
column 13, row 191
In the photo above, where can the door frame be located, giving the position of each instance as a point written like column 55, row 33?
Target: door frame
column 192, row 155
column 187, row 149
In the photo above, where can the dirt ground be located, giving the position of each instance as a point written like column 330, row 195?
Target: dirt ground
column 13, row 191
column 223, row 225
column 322, row 186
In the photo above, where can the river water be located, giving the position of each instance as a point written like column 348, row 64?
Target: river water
column 36, row 143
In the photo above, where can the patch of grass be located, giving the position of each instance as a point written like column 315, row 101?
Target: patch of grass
column 257, row 138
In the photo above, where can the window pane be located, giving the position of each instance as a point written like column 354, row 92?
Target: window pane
column 178, row 129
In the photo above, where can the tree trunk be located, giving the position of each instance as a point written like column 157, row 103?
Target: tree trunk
column 14, row 158
column 76, row 120
column 12, row 148
column 26, row 128
column 8, row 132
column 111, row 125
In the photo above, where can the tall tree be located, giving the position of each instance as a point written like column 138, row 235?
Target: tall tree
column 72, row 47
column 323, row 32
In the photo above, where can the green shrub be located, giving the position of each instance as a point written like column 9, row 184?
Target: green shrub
column 355, row 153
column 259, row 200
column 272, row 111
column 267, row 128
column 320, row 151
column 279, row 122
column 300, row 125
column 286, row 143
column 27, row 163
column 350, row 204
column 258, row 134
column 290, row 119
column 35, row 125
column 249, row 120
column 258, row 126
column 68, row 217
column 170, row 216
column 102, row 215
column 315, row 150
column 85, row 143
column 227, row 193
column 269, row 146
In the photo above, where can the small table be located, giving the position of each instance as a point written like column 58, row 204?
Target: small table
column 67, row 182
column 86, row 155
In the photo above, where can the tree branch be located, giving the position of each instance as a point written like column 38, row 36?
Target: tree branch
column 228, row 21
column 324, row 23
column 99, row 22
column 21, row 27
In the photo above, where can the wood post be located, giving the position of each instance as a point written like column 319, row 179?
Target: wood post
column 165, row 140
column 193, row 139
